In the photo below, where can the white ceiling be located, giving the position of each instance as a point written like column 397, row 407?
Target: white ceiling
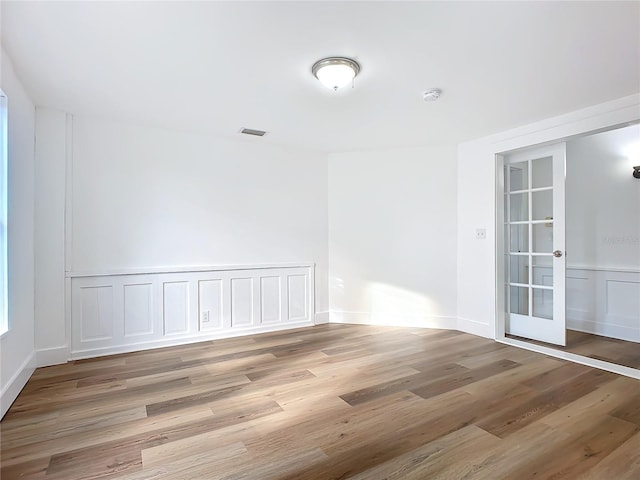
column 220, row 66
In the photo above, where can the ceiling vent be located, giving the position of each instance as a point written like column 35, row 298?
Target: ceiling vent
column 251, row 131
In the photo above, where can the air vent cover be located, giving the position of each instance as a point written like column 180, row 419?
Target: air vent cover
column 251, row 131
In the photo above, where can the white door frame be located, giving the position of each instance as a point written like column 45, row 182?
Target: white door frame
column 607, row 116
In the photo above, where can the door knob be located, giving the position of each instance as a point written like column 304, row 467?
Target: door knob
column 557, row 253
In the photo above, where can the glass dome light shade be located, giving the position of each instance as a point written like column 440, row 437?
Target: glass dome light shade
column 335, row 72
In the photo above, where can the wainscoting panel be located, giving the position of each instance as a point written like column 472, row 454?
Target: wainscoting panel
column 138, row 309
column 270, row 300
column 241, row 302
column 210, row 304
column 176, row 307
column 134, row 311
column 623, row 298
column 97, row 312
column 297, row 290
column 604, row 302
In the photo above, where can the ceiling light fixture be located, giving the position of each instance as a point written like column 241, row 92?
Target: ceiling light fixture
column 335, row 72
column 432, row 95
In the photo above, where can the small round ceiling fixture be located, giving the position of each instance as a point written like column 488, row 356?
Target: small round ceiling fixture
column 335, row 72
column 432, row 95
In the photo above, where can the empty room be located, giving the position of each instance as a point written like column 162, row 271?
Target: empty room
column 315, row 240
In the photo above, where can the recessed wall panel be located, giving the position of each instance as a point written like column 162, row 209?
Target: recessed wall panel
column 138, row 308
column 623, row 302
column 113, row 313
column 210, row 304
column 579, row 293
column 97, row 313
column 241, row 302
column 176, row 307
column 298, row 302
column 270, row 300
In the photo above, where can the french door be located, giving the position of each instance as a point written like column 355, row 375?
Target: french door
column 534, row 247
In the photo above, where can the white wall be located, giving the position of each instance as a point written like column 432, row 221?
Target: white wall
column 51, row 151
column 477, row 200
column 603, row 201
column 17, row 345
column 476, row 258
column 115, row 197
column 392, row 230
column 145, row 197
column 603, row 234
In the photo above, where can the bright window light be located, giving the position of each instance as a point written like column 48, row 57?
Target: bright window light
column 4, row 315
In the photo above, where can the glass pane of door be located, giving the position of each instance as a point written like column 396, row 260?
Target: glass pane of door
column 542, row 204
column 542, row 172
column 519, row 268
column 519, row 176
column 543, row 303
column 519, row 238
column 542, row 238
column 520, row 300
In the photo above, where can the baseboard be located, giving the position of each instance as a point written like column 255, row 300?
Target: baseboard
column 201, row 337
column 393, row 320
column 475, row 328
column 15, row 385
column 338, row 316
column 52, row 356
column 322, row 317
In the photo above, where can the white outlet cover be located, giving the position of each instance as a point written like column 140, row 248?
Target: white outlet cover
column 481, row 233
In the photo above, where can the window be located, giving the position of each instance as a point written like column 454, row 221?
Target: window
column 4, row 316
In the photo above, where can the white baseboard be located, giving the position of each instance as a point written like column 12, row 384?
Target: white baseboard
column 322, row 317
column 52, row 356
column 475, row 328
column 201, row 337
column 15, row 385
column 393, row 320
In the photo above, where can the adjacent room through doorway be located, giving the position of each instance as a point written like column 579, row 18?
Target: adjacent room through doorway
column 600, row 279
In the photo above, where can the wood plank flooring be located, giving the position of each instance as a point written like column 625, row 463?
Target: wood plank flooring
column 606, row 349
column 322, row 403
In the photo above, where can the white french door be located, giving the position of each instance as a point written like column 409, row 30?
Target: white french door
column 534, row 248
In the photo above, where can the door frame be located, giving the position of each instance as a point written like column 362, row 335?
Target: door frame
column 499, row 331
column 598, row 118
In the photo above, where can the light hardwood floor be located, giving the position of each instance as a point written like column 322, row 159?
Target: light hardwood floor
column 321, row 403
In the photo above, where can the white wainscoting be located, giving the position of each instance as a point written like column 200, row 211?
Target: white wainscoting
column 600, row 301
column 122, row 312
column 604, row 302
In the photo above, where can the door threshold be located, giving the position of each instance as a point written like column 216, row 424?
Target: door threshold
column 572, row 357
